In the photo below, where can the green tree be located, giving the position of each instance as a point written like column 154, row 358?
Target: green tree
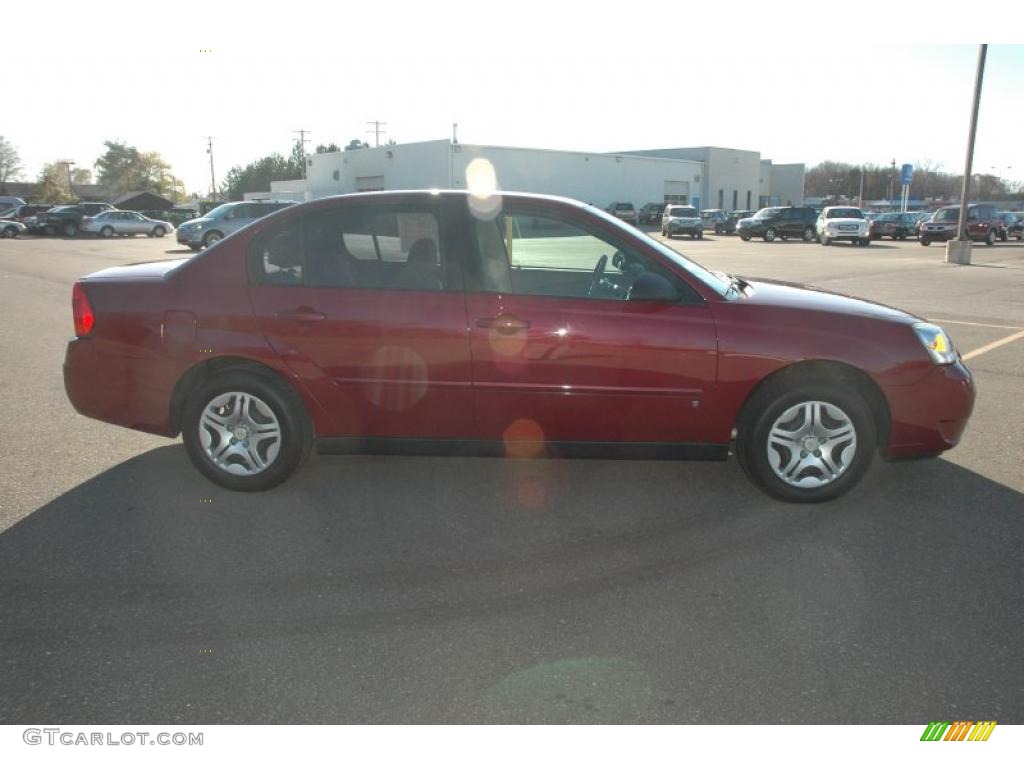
column 52, row 184
column 10, row 163
column 123, row 168
column 256, row 176
column 322, row 148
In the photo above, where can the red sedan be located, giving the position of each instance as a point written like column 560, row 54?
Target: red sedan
column 521, row 326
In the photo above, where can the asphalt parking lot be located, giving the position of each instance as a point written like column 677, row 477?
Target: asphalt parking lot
column 373, row 589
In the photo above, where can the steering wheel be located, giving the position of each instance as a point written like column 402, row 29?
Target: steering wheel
column 598, row 274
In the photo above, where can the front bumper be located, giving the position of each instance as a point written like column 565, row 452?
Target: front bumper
column 189, row 236
column 929, row 417
column 677, row 228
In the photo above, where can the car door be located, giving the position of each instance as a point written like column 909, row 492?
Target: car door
column 134, row 223
column 365, row 303
column 560, row 356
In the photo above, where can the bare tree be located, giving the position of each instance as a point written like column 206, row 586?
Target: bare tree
column 10, row 163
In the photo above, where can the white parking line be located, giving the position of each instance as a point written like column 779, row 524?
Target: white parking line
column 979, row 325
column 994, row 345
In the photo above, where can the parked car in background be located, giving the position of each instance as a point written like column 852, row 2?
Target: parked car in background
column 983, row 224
column 896, row 225
column 23, row 212
column 223, row 220
column 712, row 218
column 784, row 222
column 651, row 213
column 111, row 223
column 1017, row 228
column 67, row 219
column 728, row 227
column 7, row 202
column 624, row 211
column 922, row 217
column 841, row 222
column 343, row 321
column 10, row 228
column 1007, row 221
column 681, row 220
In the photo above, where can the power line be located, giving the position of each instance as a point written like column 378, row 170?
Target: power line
column 376, row 130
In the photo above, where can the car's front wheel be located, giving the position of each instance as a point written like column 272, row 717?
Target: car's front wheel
column 70, row 229
column 808, row 234
column 159, row 231
column 769, row 235
column 806, row 442
column 246, row 430
column 10, row 232
column 990, row 238
column 211, row 238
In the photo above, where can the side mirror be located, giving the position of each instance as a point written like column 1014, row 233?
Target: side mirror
column 651, row 286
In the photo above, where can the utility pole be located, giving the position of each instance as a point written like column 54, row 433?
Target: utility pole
column 892, row 181
column 302, row 147
column 213, row 179
column 376, row 131
column 860, row 196
column 959, row 251
column 67, row 166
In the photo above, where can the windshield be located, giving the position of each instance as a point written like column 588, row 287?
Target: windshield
column 219, row 211
column 845, row 213
column 680, row 211
column 624, row 207
column 715, row 282
column 767, row 213
column 947, row 214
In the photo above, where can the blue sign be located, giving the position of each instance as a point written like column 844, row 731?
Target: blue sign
column 906, row 174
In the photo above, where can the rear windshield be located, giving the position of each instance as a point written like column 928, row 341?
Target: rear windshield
column 845, row 213
column 624, row 207
column 683, row 212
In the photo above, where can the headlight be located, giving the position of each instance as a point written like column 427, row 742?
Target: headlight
column 936, row 342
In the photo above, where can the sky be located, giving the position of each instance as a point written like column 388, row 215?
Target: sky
column 578, row 76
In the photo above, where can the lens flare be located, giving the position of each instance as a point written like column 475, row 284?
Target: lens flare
column 482, row 183
column 524, row 439
column 395, row 378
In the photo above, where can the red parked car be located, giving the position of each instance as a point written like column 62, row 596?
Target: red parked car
column 526, row 326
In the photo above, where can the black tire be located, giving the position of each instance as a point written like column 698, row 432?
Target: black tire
column 769, row 235
column 288, row 409
column 808, row 234
column 770, row 402
column 925, row 241
column 826, row 241
column 1004, row 236
column 700, row 235
column 70, row 229
column 194, row 247
column 745, row 238
column 159, row 231
column 990, row 238
column 865, row 241
column 107, row 232
column 210, row 238
column 11, row 232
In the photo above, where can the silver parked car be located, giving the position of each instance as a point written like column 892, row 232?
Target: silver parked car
column 11, row 228
column 223, row 220
column 110, row 223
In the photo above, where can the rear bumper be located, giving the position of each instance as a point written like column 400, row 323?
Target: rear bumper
column 930, row 417
column 125, row 391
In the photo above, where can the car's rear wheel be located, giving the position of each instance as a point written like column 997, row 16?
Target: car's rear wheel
column 246, row 430
column 925, row 241
column 700, row 235
column 745, row 238
column 107, row 232
column 769, row 235
column 159, row 231
column 806, row 442
column 70, row 229
column 808, row 234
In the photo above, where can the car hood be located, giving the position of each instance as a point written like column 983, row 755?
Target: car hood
column 775, row 293
column 149, row 270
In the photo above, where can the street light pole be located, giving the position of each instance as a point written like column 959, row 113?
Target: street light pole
column 960, row 253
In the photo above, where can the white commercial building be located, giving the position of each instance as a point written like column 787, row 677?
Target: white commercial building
column 707, row 177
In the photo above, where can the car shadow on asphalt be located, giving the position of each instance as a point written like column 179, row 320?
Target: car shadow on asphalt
column 458, row 580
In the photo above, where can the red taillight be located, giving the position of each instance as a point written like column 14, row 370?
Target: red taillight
column 82, row 311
